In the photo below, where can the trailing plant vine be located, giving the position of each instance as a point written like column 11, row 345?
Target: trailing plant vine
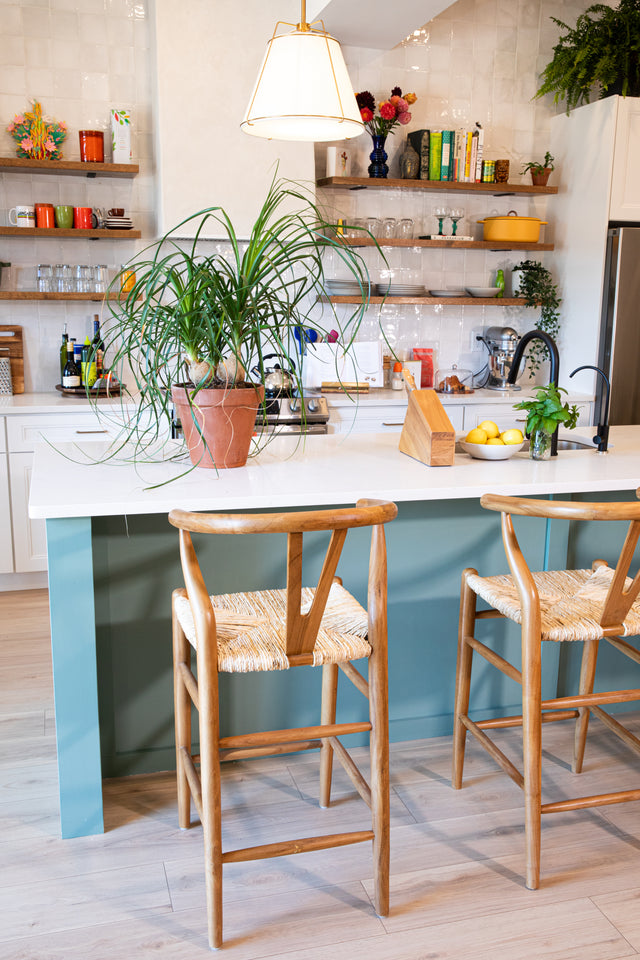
column 601, row 51
column 538, row 290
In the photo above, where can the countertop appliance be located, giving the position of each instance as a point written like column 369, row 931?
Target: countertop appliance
column 619, row 348
column 501, row 342
column 291, row 415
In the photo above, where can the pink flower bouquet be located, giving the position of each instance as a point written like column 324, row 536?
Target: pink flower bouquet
column 392, row 112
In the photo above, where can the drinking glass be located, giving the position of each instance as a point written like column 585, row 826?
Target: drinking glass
column 388, row 228
column 45, row 278
column 83, row 278
column 373, row 226
column 62, row 277
column 100, row 278
column 441, row 213
column 405, row 229
column 455, row 214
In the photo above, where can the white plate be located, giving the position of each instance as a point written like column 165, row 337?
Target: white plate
column 492, row 451
column 449, row 293
column 483, row 291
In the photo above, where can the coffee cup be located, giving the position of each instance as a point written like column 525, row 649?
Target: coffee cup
column 45, row 215
column 64, row 217
column 25, row 215
column 116, row 212
column 82, row 218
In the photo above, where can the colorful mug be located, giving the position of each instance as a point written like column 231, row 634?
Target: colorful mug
column 45, row 215
column 25, row 215
column 64, row 217
column 82, row 218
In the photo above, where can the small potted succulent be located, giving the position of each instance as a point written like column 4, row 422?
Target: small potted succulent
column 545, row 413
column 540, row 171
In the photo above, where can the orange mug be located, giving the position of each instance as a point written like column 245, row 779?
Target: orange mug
column 82, row 218
column 45, row 215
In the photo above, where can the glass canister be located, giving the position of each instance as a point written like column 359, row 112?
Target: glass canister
column 91, row 146
column 454, row 380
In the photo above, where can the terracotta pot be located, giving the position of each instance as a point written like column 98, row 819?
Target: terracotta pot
column 226, row 416
column 540, row 179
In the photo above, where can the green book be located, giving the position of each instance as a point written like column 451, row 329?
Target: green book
column 435, row 155
column 445, row 159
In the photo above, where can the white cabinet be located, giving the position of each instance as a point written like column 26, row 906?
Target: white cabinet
column 6, row 540
column 382, row 417
column 24, row 431
column 29, row 536
column 505, row 416
column 596, row 150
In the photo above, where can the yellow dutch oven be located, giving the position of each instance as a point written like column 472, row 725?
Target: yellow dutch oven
column 512, row 228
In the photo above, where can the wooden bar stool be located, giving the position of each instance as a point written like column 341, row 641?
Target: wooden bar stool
column 275, row 630
column 562, row 605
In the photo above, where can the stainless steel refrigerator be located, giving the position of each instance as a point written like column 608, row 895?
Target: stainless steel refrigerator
column 619, row 352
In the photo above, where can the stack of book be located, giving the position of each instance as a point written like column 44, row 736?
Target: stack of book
column 454, row 155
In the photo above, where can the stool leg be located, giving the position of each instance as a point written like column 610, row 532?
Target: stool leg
column 379, row 750
column 182, row 715
column 463, row 677
column 327, row 715
column 211, row 802
column 587, row 680
column 532, row 746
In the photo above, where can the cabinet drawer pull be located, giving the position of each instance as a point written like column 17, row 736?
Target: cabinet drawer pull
column 393, row 423
column 91, row 431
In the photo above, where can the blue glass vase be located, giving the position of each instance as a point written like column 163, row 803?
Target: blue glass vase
column 378, row 166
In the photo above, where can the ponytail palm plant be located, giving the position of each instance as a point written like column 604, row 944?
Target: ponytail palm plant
column 201, row 313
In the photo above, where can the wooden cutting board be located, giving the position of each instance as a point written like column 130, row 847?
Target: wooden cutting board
column 11, row 338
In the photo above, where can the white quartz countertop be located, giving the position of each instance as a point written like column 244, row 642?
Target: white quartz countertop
column 53, row 402
column 319, row 470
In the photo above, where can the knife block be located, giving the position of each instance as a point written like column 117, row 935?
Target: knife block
column 427, row 434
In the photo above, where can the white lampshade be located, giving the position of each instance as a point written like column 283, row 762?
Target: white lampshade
column 303, row 91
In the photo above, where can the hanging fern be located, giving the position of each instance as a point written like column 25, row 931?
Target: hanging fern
column 602, row 51
column 538, row 290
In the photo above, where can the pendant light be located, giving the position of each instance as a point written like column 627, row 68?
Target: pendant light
column 303, row 91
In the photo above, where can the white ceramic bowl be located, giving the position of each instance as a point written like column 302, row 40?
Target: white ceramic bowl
column 491, row 451
column 483, row 291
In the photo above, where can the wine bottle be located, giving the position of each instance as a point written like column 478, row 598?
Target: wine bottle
column 63, row 350
column 77, row 358
column 97, row 347
column 88, row 364
column 71, row 372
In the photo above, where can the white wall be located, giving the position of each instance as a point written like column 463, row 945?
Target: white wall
column 479, row 60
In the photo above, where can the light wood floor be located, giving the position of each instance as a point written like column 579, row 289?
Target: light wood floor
column 457, row 891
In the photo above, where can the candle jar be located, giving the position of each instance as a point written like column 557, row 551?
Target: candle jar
column 91, row 146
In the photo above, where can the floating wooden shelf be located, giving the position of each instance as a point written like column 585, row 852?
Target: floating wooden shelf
column 434, row 186
column 429, row 301
column 69, row 167
column 59, row 233
column 447, row 245
column 37, row 295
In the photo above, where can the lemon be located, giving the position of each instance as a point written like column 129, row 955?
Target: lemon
column 490, row 428
column 477, row 435
column 512, row 436
column 495, row 441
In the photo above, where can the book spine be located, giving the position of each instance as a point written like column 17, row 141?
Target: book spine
column 424, row 155
column 435, row 155
column 445, row 159
column 474, row 156
column 461, row 138
column 467, row 157
column 452, row 159
column 480, row 154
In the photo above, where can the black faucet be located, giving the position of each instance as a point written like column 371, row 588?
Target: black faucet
column 602, row 436
column 553, row 369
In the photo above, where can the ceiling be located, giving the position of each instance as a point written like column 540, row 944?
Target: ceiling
column 346, row 21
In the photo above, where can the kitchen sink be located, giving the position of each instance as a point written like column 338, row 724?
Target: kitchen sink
column 569, row 445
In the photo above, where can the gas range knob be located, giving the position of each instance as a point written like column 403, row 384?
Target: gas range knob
column 313, row 406
column 293, row 405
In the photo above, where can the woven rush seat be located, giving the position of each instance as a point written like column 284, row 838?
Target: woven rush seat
column 571, row 602
column 252, row 629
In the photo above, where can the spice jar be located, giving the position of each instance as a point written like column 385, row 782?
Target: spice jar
column 397, row 381
column 91, row 146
